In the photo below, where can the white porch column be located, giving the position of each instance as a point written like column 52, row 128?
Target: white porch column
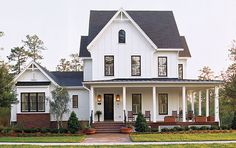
column 217, row 118
column 124, row 100
column 91, row 102
column 199, row 103
column 184, row 103
column 154, row 104
column 193, row 100
column 207, row 102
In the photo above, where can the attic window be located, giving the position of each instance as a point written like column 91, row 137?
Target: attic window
column 121, row 36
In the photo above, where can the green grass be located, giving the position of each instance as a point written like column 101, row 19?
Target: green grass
column 128, row 146
column 182, row 137
column 53, row 139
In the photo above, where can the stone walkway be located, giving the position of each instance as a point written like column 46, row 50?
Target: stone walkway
column 107, row 138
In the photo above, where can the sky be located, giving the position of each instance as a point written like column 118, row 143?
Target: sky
column 208, row 25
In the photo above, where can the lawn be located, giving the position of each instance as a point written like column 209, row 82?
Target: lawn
column 128, row 146
column 53, row 139
column 182, row 137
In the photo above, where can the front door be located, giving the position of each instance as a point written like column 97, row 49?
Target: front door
column 108, row 106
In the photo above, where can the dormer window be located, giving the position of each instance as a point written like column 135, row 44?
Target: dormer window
column 121, row 36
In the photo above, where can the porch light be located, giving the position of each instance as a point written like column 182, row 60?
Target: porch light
column 117, row 98
column 99, row 98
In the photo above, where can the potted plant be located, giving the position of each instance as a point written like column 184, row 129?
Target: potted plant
column 89, row 130
column 98, row 113
column 126, row 129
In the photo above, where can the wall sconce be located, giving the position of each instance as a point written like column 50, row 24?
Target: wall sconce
column 117, row 98
column 99, row 98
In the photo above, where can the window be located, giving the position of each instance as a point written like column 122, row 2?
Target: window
column 75, row 101
column 109, row 66
column 136, row 65
column 32, row 102
column 136, row 103
column 162, row 66
column 180, row 71
column 163, row 104
column 121, row 36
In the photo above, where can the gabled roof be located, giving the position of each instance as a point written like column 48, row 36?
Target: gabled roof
column 160, row 27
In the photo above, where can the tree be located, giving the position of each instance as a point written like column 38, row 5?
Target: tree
column 141, row 123
column 7, row 96
column 233, row 125
column 76, row 63
column 34, row 46
column 18, row 55
column 64, row 65
column 73, row 123
column 1, row 33
column 206, row 73
column 59, row 104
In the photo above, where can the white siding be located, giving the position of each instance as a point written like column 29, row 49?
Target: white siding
column 184, row 62
column 35, row 75
column 87, row 69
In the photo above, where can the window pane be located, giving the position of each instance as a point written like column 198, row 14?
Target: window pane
column 163, row 104
column 33, row 105
column 136, row 65
column 109, row 66
column 162, row 66
column 24, row 102
column 41, row 102
column 180, row 71
column 136, row 103
column 121, row 36
column 75, row 101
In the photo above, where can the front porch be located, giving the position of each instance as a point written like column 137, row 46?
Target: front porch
column 116, row 101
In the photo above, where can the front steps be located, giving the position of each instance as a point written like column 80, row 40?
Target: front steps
column 107, row 127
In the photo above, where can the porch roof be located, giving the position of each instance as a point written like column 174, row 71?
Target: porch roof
column 154, row 81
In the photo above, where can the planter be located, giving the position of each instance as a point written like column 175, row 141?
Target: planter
column 90, row 131
column 169, row 119
column 200, row 119
column 210, row 118
column 125, row 130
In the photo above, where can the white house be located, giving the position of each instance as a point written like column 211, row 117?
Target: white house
column 134, row 61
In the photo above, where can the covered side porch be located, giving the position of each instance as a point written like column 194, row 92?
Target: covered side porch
column 162, row 103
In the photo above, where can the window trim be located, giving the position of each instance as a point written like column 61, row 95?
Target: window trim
column 77, row 100
column 140, row 103
column 119, row 33
column 28, row 101
column 105, row 65
column 139, row 66
column 159, row 103
column 159, row 65
column 182, row 74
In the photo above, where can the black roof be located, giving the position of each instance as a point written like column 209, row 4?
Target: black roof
column 68, row 78
column 160, row 26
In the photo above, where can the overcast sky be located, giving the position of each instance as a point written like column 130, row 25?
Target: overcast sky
column 208, row 25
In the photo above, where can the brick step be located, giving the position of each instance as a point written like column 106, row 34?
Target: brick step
column 107, row 127
column 107, row 131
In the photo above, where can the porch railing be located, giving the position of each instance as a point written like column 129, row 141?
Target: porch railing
column 125, row 117
column 91, row 119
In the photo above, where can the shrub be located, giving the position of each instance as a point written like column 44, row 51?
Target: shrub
column 45, row 130
column 6, row 130
column 154, row 130
column 186, row 128
column 233, row 125
column 165, row 130
column 63, row 130
column 204, row 128
column 224, row 127
column 30, row 130
column 54, row 130
column 214, row 127
column 73, row 123
column 194, row 128
column 141, row 123
column 18, row 130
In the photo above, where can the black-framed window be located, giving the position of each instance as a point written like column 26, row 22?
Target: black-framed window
column 163, row 104
column 109, row 65
column 162, row 66
column 75, row 101
column 33, row 102
column 136, row 65
column 136, row 103
column 122, row 36
column 180, row 71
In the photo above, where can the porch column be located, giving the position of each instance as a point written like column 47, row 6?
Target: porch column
column 184, row 103
column 199, row 103
column 207, row 102
column 91, row 102
column 124, row 100
column 217, row 118
column 154, row 104
column 193, row 100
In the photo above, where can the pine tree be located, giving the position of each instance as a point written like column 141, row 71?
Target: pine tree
column 141, row 123
column 73, row 123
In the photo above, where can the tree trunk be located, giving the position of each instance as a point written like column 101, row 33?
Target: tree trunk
column 61, row 123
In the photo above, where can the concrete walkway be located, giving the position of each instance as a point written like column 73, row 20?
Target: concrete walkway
column 107, row 138
column 122, row 143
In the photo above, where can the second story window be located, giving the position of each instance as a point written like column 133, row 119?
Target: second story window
column 136, row 65
column 121, row 36
column 180, row 71
column 162, row 66
column 109, row 65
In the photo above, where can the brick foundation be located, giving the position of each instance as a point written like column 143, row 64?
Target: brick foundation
column 34, row 120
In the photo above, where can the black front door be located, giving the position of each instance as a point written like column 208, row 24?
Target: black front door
column 108, row 106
